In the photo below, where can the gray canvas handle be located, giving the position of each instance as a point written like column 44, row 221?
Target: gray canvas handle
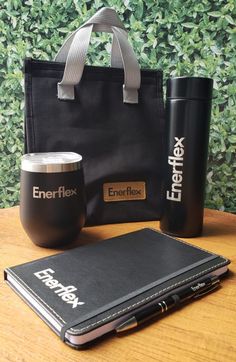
column 75, row 51
column 108, row 17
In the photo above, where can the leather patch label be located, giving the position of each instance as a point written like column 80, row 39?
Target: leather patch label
column 124, row 191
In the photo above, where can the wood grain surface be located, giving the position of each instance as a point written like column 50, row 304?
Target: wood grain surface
column 202, row 331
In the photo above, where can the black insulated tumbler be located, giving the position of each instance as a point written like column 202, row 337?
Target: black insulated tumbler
column 188, row 112
column 52, row 197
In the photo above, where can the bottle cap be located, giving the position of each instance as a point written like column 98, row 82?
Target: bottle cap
column 190, row 87
column 49, row 162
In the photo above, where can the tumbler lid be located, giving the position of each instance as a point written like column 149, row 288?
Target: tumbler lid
column 49, row 162
column 190, row 87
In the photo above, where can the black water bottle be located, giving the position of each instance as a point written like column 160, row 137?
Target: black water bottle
column 188, row 112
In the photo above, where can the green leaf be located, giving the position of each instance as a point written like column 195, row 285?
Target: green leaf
column 215, row 14
column 189, row 25
column 63, row 30
column 178, row 37
column 230, row 19
column 232, row 138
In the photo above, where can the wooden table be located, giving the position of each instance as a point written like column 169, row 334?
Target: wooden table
column 202, row 331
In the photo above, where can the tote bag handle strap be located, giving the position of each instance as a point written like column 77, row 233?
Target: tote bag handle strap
column 108, row 17
column 76, row 57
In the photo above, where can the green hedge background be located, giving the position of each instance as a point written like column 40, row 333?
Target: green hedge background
column 182, row 37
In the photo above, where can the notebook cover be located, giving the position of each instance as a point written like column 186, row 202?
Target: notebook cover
column 91, row 285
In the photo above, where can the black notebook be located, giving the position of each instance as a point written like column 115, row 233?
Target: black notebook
column 88, row 291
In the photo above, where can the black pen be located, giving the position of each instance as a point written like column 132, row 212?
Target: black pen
column 194, row 291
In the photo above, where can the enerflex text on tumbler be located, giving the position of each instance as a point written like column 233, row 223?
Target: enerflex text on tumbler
column 188, row 112
column 52, row 197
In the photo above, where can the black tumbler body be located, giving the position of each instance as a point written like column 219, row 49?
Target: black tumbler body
column 188, row 111
column 52, row 205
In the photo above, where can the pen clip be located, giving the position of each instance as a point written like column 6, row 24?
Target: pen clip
column 207, row 290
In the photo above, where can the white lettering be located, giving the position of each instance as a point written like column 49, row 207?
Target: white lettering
column 60, row 193
column 176, row 162
column 35, row 192
column 64, row 292
column 44, row 273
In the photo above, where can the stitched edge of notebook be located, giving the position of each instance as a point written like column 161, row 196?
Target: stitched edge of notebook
column 75, row 331
column 185, row 242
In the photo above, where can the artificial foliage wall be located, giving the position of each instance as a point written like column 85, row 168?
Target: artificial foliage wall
column 181, row 37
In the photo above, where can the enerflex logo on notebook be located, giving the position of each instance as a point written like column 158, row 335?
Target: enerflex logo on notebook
column 64, row 292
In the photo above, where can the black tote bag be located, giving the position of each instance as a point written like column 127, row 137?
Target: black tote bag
column 112, row 116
